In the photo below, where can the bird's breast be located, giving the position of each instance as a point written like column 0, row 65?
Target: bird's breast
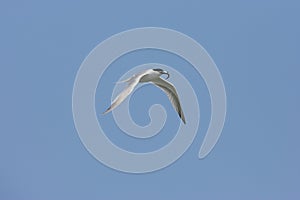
column 148, row 77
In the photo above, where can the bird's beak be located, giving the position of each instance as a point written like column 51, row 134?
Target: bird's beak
column 165, row 72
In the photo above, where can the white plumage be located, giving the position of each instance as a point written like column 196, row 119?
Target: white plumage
column 153, row 76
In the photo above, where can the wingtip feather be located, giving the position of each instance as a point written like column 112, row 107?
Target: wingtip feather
column 107, row 111
column 182, row 118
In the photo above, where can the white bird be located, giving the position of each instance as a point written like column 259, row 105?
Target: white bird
column 153, row 76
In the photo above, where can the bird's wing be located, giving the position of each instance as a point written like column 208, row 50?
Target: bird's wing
column 171, row 92
column 132, row 82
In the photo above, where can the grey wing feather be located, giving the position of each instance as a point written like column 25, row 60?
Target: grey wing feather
column 171, row 92
column 132, row 82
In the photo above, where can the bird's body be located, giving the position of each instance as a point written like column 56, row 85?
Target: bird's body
column 149, row 75
column 153, row 76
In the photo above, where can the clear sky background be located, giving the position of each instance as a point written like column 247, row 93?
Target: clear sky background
column 255, row 45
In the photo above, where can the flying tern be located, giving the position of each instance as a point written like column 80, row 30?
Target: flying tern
column 152, row 76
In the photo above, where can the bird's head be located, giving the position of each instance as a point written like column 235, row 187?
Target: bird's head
column 161, row 72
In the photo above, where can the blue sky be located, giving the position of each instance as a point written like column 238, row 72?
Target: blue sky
column 255, row 46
